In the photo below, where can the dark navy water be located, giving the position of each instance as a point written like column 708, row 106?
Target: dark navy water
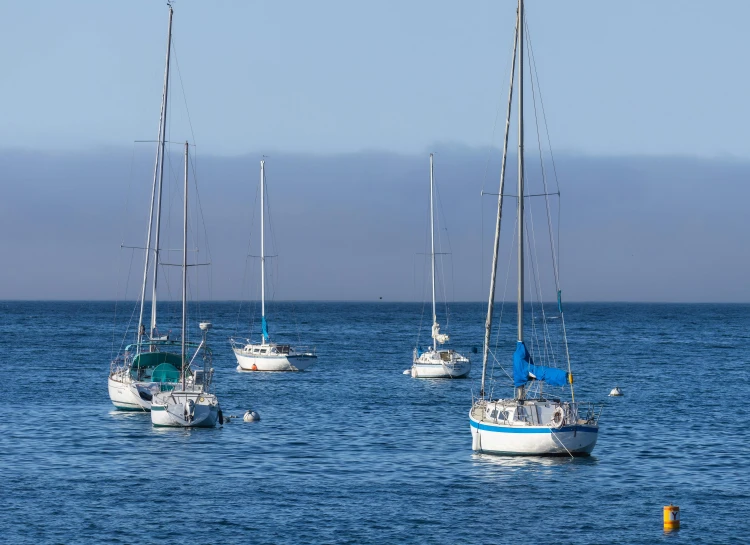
column 353, row 451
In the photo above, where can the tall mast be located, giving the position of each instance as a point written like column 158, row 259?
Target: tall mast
column 520, row 391
column 153, row 191
column 262, row 247
column 184, row 267
column 491, row 303
column 520, row 171
column 160, row 163
column 432, row 254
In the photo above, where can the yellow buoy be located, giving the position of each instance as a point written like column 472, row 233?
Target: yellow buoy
column 671, row 517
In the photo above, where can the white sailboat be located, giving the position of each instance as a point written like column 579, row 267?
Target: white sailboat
column 532, row 422
column 267, row 355
column 137, row 373
column 189, row 403
column 437, row 362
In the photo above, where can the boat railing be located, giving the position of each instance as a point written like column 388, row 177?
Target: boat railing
column 586, row 411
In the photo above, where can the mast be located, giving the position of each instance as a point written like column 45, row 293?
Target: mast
column 432, row 253
column 153, row 191
column 520, row 392
column 160, row 163
column 491, row 303
column 262, row 249
column 184, row 267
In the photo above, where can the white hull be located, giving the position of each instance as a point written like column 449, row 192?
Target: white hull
column 125, row 395
column 274, row 362
column 169, row 410
column 533, row 440
column 444, row 363
column 532, row 428
column 439, row 370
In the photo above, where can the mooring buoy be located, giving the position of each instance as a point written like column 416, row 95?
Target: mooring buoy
column 671, row 518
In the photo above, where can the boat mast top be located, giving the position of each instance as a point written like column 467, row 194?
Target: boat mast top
column 184, row 268
column 432, row 253
column 160, row 164
column 262, row 244
column 493, row 277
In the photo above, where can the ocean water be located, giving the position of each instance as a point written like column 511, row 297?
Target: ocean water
column 354, row 451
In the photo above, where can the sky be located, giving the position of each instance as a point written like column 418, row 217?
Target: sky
column 635, row 77
column 645, row 104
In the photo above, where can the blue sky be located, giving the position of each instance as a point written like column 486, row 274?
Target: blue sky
column 635, row 77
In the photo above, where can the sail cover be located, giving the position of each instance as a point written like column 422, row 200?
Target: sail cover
column 264, row 328
column 524, row 369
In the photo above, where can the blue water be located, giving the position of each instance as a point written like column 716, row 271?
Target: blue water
column 353, row 451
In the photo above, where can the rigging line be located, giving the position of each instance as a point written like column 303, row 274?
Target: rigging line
column 535, row 281
column 537, row 276
column 249, row 241
column 442, row 262
column 489, row 154
column 275, row 277
column 427, row 228
column 182, row 87
column 124, row 297
column 544, row 115
column 199, row 206
column 544, row 178
column 502, row 305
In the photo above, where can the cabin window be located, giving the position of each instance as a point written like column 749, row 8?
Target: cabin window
column 502, row 415
column 264, row 350
column 493, row 414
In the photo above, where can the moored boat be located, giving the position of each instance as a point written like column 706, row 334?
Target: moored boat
column 533, row 422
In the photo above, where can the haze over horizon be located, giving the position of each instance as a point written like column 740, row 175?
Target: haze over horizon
column 653, row 157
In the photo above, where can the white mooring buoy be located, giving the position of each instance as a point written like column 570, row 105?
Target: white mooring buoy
column 251, row 416
column 616, row 392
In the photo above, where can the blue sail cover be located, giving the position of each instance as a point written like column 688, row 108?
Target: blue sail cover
column 264, row 328
column 524, row 369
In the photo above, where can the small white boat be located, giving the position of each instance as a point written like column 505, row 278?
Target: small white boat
column 437, row 362
column 188, row 403
column 265, row 355
column 533, row 422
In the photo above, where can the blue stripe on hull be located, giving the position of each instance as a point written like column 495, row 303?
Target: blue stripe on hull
column 531, row 429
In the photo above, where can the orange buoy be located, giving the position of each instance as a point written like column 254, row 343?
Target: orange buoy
column 671, row 517
column 254, row 367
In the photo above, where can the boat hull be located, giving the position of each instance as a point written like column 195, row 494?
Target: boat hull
column 274, row 362
column 169, row 410
column 125, row 395
column 575, row 440
column 437, row 370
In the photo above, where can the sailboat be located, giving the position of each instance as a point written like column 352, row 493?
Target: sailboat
column 437, row 362
column 189, row 403
column 152, row 360
column 532, row 422
column 267, row 355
